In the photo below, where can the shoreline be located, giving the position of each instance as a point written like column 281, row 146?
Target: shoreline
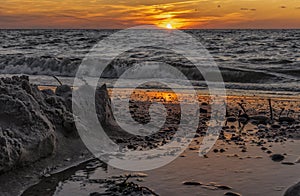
column 25, row 177
column 247, row 89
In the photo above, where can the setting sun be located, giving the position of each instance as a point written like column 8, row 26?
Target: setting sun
column 169, row 26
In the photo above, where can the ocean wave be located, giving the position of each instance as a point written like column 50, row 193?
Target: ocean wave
column 44, row 65
column 47, row 65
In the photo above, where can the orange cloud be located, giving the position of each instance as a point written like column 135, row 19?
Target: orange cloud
column 123, row 14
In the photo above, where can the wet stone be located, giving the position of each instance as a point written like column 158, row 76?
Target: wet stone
column 277, row 157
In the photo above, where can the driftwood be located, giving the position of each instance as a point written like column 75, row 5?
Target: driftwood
column 271, row 109
column 57, row 80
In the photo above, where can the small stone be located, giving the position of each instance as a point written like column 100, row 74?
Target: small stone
column 137, row 175
column 288, row 163
column 277, row 157
column 46, row 175
column 192, row 183
column 193, row 148
column 264, row 148
column 216, row 150
column 231, row 119
column 232, row 194
column 223, row 187
column 203, row 111
column 209, row 187
column 275, row 126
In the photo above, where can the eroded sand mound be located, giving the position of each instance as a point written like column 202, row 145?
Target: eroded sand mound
column 26, row 134
column 35, row 124
column 30, row 120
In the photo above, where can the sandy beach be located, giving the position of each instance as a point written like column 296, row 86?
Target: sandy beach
column 257, row 152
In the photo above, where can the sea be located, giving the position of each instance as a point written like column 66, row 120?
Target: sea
column 249, row 60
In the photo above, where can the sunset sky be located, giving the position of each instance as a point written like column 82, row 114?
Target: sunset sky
column 121, row 14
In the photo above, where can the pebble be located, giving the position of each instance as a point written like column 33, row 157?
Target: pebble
column 193, row 148
column 231, row 119
column 223, row 187
column 275, row 126
column 264, row 148
column 232, row 194
column 192, row 183
column 209, row 187
column 137, row 175
column 288, row 163
column 277, row 157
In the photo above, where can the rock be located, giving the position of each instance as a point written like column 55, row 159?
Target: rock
column 231, row 119
column 277, row 157
column 275, row 126
column 63, row 90
column 223, row 187
column 260, row 119
column 293, row 191
column 288, row 163
column 203, row 111
column 286, row 119
column 137, row 175
column 264, row 148
column 232, row 194
column 48, row 92
column 192, row 183
column 209, row 187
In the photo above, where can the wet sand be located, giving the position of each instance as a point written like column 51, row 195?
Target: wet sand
column 241, row 161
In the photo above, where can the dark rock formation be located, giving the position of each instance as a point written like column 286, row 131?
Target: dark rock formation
column 293, row 191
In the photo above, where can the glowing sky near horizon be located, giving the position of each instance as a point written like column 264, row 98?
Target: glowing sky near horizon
column 122, row 14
